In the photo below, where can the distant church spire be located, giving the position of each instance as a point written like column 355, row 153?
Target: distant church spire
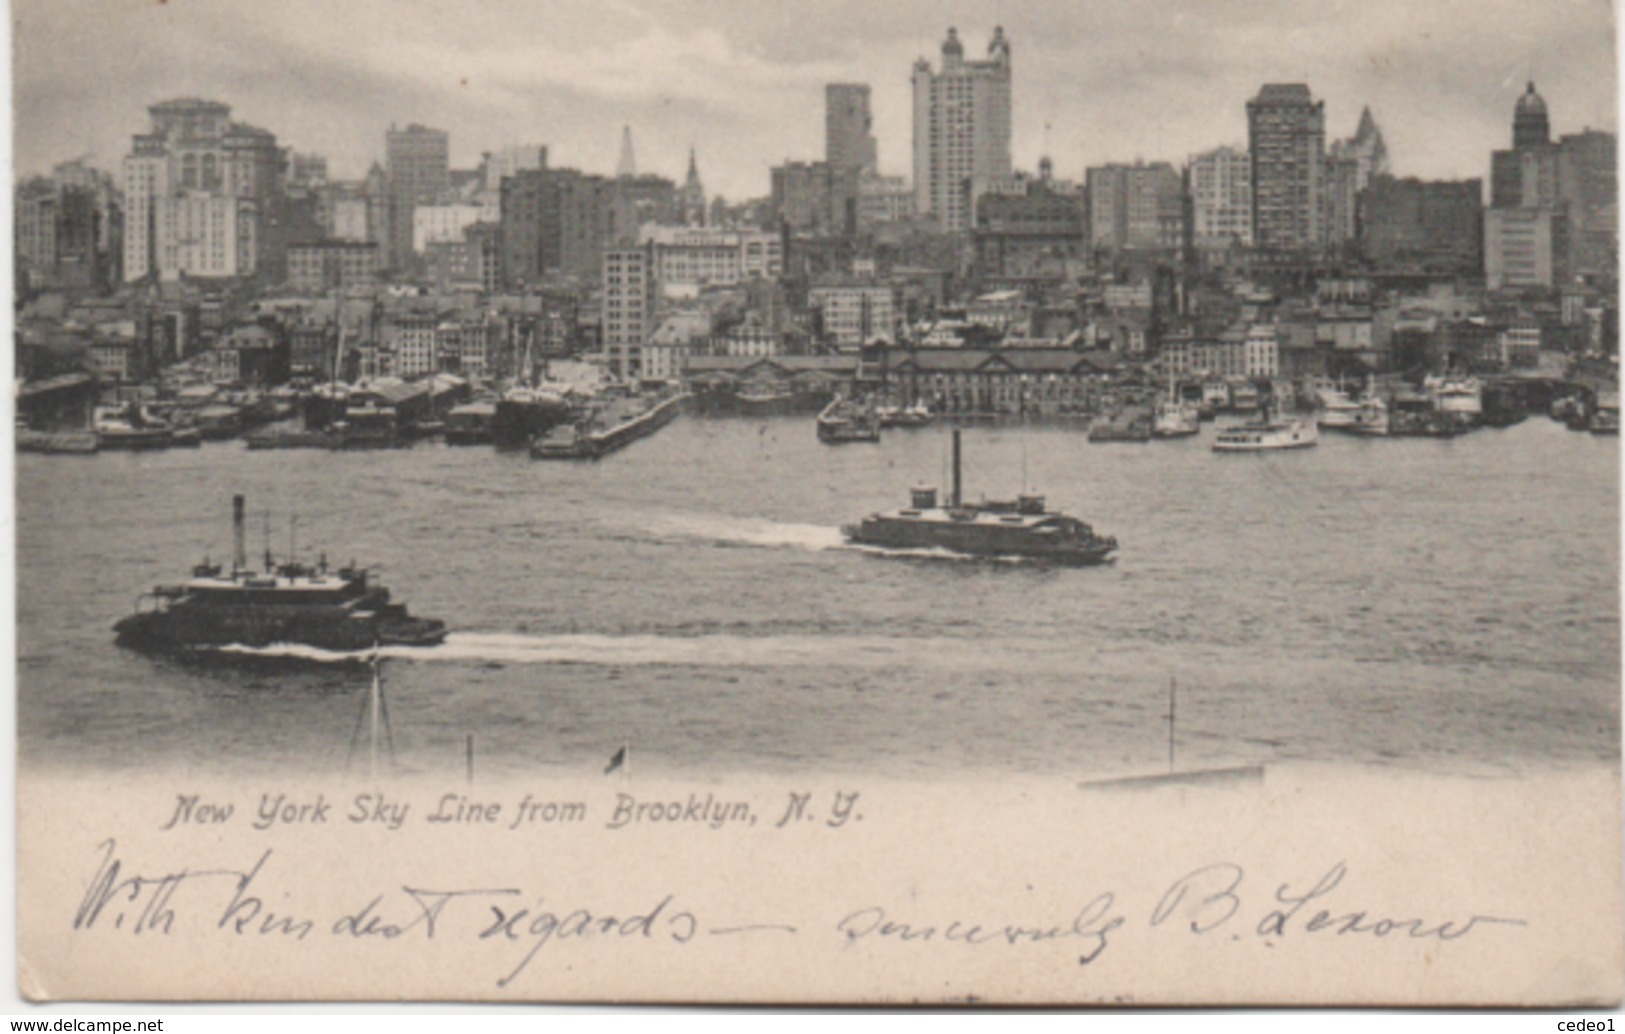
column 692, row 196
column 628, row 166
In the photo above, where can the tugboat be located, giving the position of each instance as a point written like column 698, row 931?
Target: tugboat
column 290, row 603
column 1022, row 528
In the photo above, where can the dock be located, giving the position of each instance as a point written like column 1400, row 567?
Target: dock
column 614, row 426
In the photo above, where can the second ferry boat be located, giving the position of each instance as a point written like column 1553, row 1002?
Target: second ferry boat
column 1021, row 528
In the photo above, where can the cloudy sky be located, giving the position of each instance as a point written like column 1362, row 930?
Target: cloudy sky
column 742, row 80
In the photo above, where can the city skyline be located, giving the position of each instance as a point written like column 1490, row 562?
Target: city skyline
column 1111, row 86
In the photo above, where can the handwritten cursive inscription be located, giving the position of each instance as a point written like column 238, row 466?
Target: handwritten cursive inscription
column 193, row 901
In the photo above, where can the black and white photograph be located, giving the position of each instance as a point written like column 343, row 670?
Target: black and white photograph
column 999, row 502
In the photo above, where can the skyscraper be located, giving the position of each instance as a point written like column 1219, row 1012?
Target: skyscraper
column 961, row 129
column 627, row 167
column 848, row 143
column 203, row 195
column 1220, row 184
column 1135, row 206
column 1556, row 199
column 1286, row 132
column 418, row 161
column 1349, row 169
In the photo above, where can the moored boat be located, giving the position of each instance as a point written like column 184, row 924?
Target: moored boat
column 1335, row 410
column 842, row 421
column 917, row 415
column 1130, row 424
column 1370, row 418
column 65, row 442
column 1268, row 434
column 471, row 423
column 1176, row 417
column 523, row 413
column 1605, row 414
column 129, row 428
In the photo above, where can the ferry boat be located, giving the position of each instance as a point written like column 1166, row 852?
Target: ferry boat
column 1267, row 435
column 1019, row 528
column 288, row 603
column 842, row 421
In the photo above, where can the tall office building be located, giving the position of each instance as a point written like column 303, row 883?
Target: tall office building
column 1136, row 206
column 418, row 161
column 555, row 222
column 1350, row 165
column 203, row 195
column 1574, row 181
column 961, row 129
column 848, row 143
column 1220, row 184
column 629, row 297
column 1286, row 131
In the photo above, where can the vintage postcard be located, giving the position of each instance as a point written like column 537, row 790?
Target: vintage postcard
column 918, row 503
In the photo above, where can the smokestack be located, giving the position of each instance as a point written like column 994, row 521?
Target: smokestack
column 239, row 556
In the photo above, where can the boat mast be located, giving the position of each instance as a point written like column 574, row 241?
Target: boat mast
column 239, row 548
column 375, row 704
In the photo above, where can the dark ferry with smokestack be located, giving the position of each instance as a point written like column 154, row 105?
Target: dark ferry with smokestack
column 1020, row 528
column 289, row 603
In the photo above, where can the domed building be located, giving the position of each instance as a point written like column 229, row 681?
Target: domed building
column 1530, row 125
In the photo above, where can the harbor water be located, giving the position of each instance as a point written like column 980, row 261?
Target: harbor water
column 1448, row 606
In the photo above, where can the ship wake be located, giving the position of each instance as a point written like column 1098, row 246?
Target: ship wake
column 870, row 653
column 759, row 533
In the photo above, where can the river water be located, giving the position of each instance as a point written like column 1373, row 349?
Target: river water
column 1446, row 606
